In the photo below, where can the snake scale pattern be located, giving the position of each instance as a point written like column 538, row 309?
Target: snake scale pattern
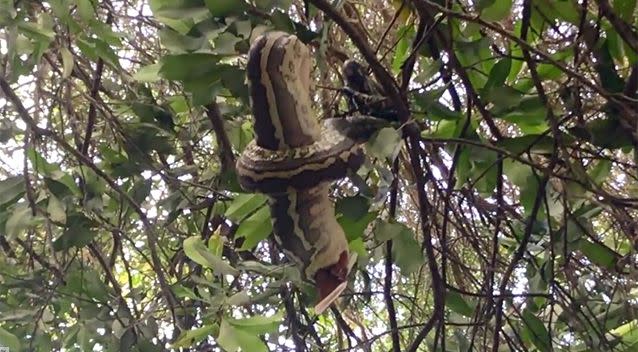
column 294, row 159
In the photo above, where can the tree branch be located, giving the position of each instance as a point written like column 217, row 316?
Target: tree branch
column 225, row 147
column 83, row 159
column 387, row 280
column 623, row 28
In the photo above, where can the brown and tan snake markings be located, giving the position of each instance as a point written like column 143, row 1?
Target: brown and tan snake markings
column 294, row 159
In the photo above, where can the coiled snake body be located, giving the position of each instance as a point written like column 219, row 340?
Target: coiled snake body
column 293, row 160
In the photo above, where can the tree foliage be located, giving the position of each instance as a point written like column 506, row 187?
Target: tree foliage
column 507, row 224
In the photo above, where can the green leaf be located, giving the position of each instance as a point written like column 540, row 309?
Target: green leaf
column 558, row 10
column 127, row 341
column 545, row 71
column 530, row 115
column 178, row 9
column 225, row 8
column 625, row 9
column 225, row 44
column 406, row 251
column 257, row 324
column 37, row 31
column 484, row 170
column 106, row 33
column 67, row 62
column 95, row 48
column 56, row 210
column 282, row 22
column 236, row 87
column 61, row 183
column 86, row 10
column 9, row 340
column 599, row 254
column 442, row 129
column 244, row 333
column 384, row 231
column 495, row 10
column 540, row 144
column 499, row 73
column 503, row 97
column 79, row 233
column 464, row 166
column 628, row 333
column 255, row 228
column 239, row 134
column 536, row 330
column 239, row 299
column 7, row 12
column 456, row 303
column 149, row 73
column 429, row 102
column 475, row 54
column 260, row 268
column 189, row 67
column 606, row 69
column 354, row 228
column 232, row 339
column 154, row 114
column 147, row 346
column 177, row 42
column 145, row 138
column 40, row 164
column 244, row 205
column 358, row 246
column 189, row 338
column 386, row 144
column 354, row 207
column 196, row 250
column 522, row 176
column 140, row 190
column 604, row 133
column 216, row 244
column 11, row 189
column 600, row 171
column 403, row 47
column 438, row 112
column 517, row 64
column 19, row 220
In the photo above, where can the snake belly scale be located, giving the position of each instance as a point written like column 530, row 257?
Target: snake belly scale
column 294, row 159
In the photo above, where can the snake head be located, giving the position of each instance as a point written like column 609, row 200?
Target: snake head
column 331, row 281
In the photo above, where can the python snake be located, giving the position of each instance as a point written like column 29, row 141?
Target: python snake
column 294, row 159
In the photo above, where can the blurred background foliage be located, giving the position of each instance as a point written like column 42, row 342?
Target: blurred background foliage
column 511, row 225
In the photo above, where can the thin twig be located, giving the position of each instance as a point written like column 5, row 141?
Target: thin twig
column 151, row 235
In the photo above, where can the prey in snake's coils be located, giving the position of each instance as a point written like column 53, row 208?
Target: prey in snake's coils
column 293, row 160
